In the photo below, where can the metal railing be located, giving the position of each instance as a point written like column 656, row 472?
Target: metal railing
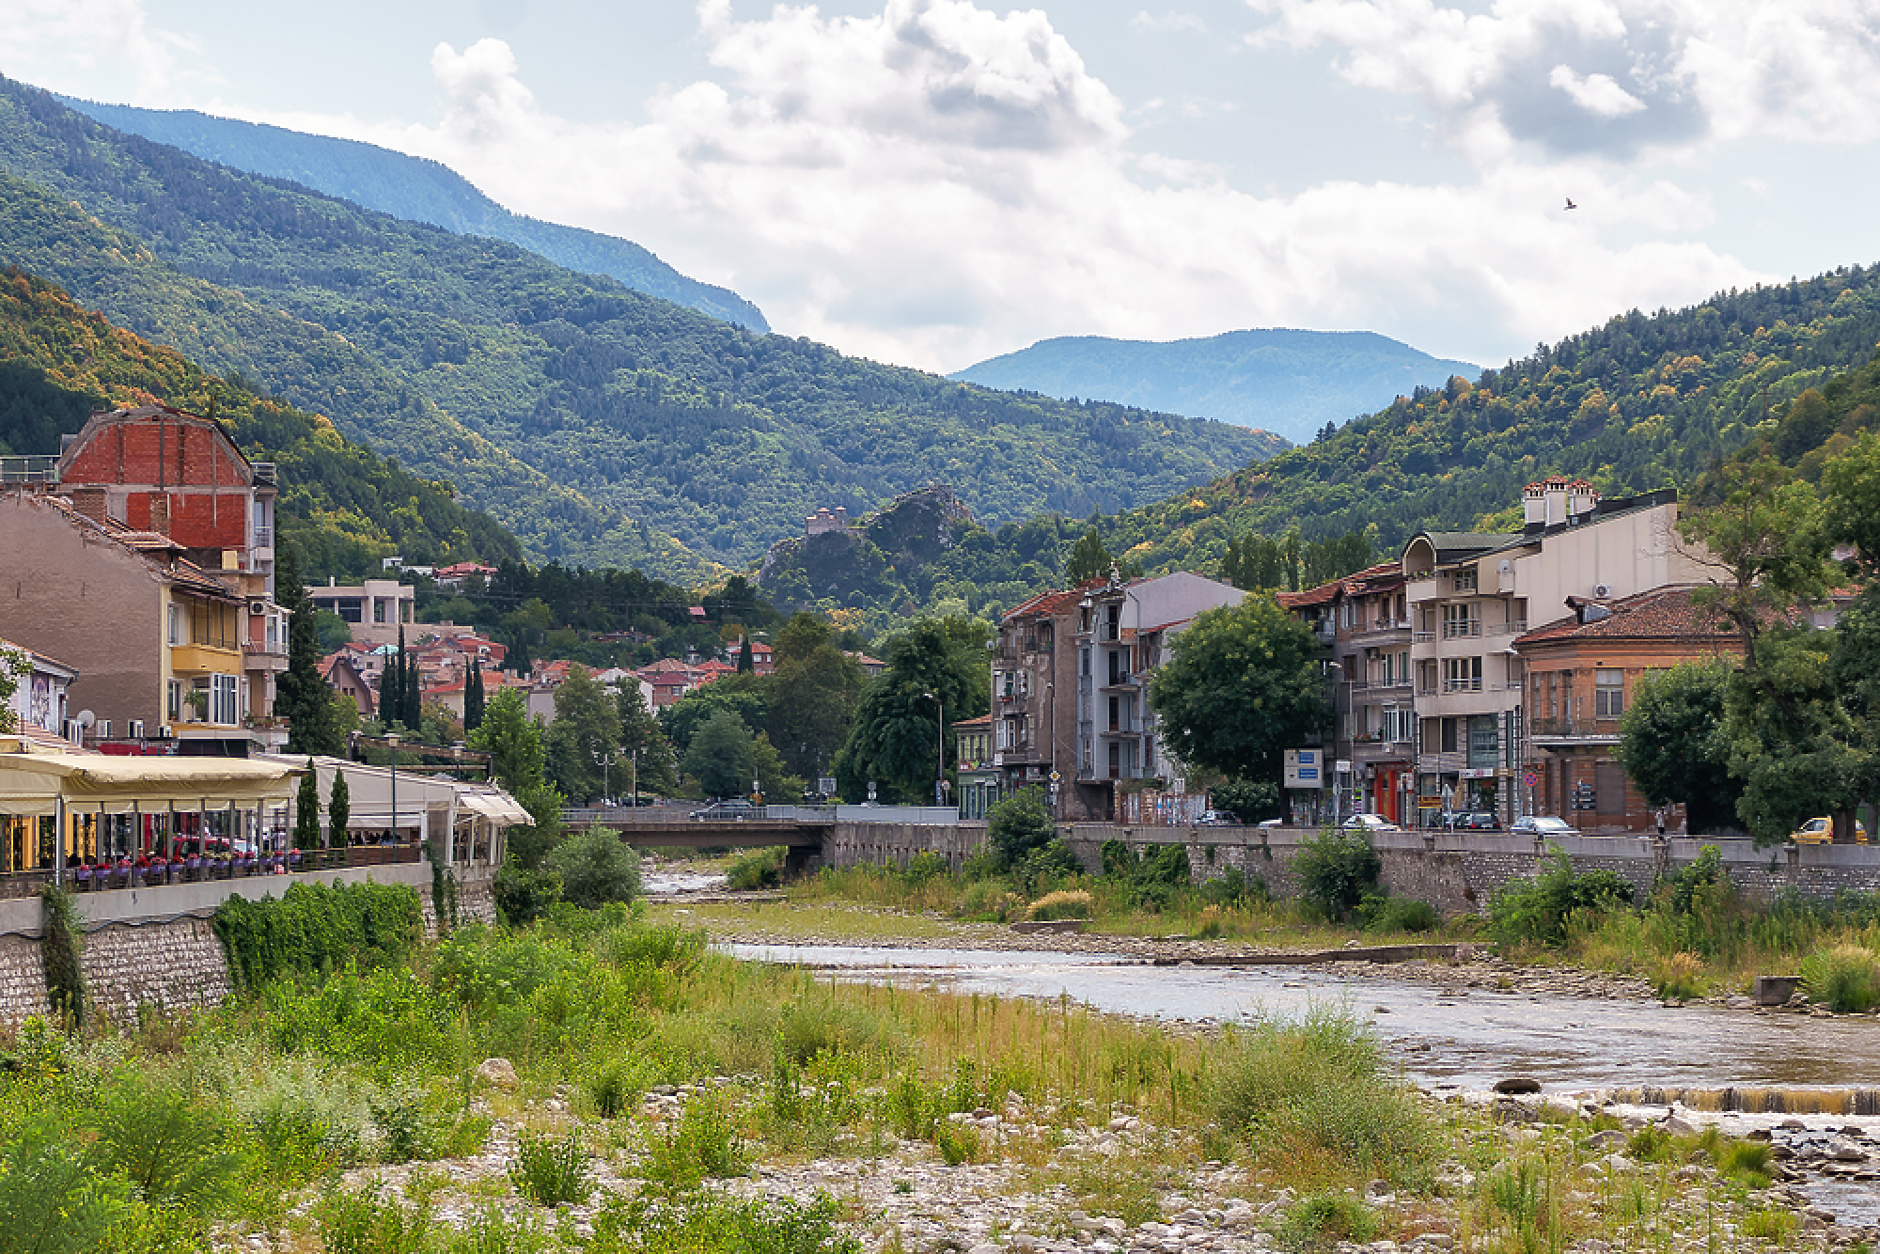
column 1462, row 628
column 35, row 469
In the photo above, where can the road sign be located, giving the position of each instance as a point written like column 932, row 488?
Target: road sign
column 1532, row 779
column 1054, row 777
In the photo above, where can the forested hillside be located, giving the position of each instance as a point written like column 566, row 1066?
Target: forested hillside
column 1643, row 402
column 667, row 420
column 417, row 190
column 1290, row 382
column 341, row 504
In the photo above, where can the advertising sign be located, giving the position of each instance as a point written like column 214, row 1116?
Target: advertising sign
column 1305, row 768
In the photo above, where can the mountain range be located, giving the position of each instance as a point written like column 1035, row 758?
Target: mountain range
column 1290, row 382
column 600, row 425
column 417, row 190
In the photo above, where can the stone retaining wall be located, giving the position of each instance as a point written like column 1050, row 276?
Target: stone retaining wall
column 1457, row 872
column 168, row 966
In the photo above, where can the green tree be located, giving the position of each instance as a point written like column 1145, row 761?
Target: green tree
column 514, row 742
column 338, row 811
column 474, row 699
column 587, row 723
column 640, row 734
column 721, row 756
column 1018, row 825
column 307, row 810
column 1792, row 743
column 302, row 696
column 1673, row 746
column 595, row 868
column 1243, row 685
column 774, row 779
column 811, row 699
column 896, row 737
column 1089, row 558
column 1336, row 871
column 743, row 695
column 747, row 664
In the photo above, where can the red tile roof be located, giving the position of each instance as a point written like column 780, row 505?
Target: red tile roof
column 1660, row 614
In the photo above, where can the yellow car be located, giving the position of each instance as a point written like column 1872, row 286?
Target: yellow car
column 1821, row 832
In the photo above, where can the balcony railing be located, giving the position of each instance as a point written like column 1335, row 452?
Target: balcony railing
column 1464, row 628
column 36, row 469
column 1513, row 627
column 1473, row 684
column 1423, row 637
column 1573, row 727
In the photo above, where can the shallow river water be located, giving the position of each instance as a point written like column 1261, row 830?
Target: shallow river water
column 1442, row 1039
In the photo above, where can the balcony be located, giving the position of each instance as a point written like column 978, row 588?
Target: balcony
column 257, row 656
column 204, row 659
column 1562, row 731
column 1379, row 631
column 1462, row 629
column 1513, row 627
column 1472, row 684
column 1121, row 679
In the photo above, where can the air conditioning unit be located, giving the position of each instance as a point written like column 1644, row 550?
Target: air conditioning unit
column 134, row 728
column 257, row 607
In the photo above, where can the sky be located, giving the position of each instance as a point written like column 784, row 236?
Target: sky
column 934, row 182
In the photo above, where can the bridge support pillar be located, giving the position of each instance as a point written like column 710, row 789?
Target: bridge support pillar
column 799, row 860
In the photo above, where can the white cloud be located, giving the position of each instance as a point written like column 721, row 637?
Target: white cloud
column 1635, row 76
column 108, row 43
column 1169, row 23
column 1595, row 93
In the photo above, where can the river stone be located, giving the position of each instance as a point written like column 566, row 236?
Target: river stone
column 1516, row 1084
column 498, row 1073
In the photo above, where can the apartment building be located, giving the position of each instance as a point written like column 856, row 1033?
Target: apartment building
column 1470, row 597
column 375, row 610
column 167, row 472
column 1033, row 661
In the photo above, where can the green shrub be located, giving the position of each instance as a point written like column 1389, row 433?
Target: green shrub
column 616, row 1085
column 1543, row 909
column 1337, row 871
column 1049, row 866
column 550, row 1170
column 61, row 948
column 1318, row 1090
column 1398, row 914
column 313, row 929
column 491, row 1231
column 958, row 1142
column 760, row 868
column 1149, row 880
column 173, row 1149
column 388, row 1020
column 1062, row 905
column 1324, row 1220
column 710, row 1224
column 1680, row 976
column 523, row 894
column 53, row 1199
column 1017, row 825
column 366, row 1223
column 704, row 1143
column 924, row 867
column 305, row 1118
column 595, row 868
column 1232, row 888
column 1845, row 978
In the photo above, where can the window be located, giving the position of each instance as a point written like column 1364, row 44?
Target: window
column 223, row 706
column 1460, row 619
column 1464, row 580
column 1462, row 674
column 1608, row 694
column 176, row 623
column 1448, row 740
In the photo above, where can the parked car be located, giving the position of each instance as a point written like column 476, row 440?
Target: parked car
column 1476, row 821
column 720, row 811
column 1217, row 818
column 1543, row 825
column 1821, row 832
column 1369, row 823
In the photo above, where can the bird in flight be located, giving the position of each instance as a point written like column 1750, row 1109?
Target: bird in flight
column 1570, row 203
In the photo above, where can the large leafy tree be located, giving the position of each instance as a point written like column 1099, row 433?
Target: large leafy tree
column 514, row 742
column 640, row 734
column 301, row 694
column 1672, row 742
column 896, row 737
column 586, row 727
column 721, row 756
column 1243, row 685
column 811, row 701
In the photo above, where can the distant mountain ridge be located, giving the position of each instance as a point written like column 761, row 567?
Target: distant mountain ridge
column 1286, row 381
column 416, row 189
column 600, row 425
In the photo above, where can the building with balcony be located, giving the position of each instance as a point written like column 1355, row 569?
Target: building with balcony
column 164, row 471
column 1469, row 597
column 157, row 638
column 1581, row 671
column 375, row 610
column 1034, row 680
column 980, row 782
column 1122, row 635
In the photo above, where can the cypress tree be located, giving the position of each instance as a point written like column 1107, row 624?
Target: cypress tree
column 746, row 664
column 307, row 811
column 302, row 696
column 472, row 698
column 338, row 810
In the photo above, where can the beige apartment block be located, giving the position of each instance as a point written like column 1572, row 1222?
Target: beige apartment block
column 1470, row 595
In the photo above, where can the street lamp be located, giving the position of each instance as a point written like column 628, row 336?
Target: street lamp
column 605, row 760
column 940, row 743
column 392, row 738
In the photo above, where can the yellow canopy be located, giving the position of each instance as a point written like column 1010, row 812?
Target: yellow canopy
column 31, row 784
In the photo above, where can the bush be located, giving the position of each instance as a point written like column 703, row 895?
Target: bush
column 705, row 1142
column 314, row 929
column 1018, row 824
column 1398, row 914
column 1316, row 1094
column 1232, row 888
column 707, row 1224
column 1543, row 909
column 1324, row 1220
column 61, row 949
column 760, row 868
column 1680, row 976
column 923, row 867
column 551, row 1170
column 524, row 895
column 1150, row 880
column 1062, row 905
column 1845, row 978
column 595, row 869
column 1046, row 867
column 1337, row 871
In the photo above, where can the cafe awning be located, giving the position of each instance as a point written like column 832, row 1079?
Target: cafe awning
column 34, row 783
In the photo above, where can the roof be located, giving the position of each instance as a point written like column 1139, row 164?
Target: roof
column 1453, row 546
column 39, row 656
column 1661, row 614
column 982, row 723
column 1043, row 605
column 31, row 783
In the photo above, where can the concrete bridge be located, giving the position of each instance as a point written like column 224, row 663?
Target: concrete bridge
column 802, row 836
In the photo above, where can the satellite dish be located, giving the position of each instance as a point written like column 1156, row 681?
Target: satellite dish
column 85, row 718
